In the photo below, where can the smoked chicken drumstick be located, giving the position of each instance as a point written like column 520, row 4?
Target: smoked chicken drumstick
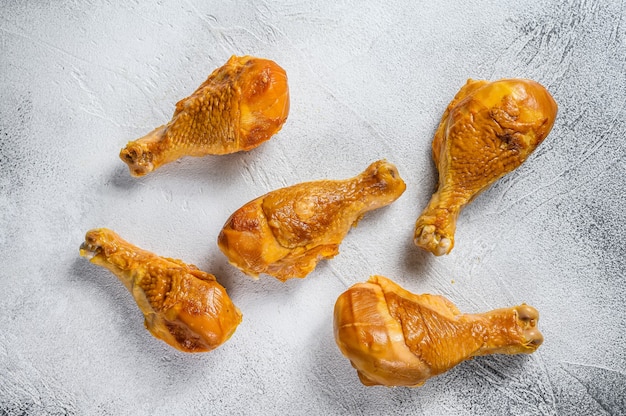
column 183, row 306
column 488, row 130
column 396, row 338
column 286, row 232
column 241, row 105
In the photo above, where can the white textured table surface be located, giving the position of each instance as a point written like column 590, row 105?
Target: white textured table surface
column 368, row 80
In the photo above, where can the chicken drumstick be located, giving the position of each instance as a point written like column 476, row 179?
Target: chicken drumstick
column 183, row 306
column 396, row 338
column 241, row 105
column 488, row 130
column 286, row 232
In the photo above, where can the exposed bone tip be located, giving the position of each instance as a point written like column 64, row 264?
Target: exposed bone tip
column 89, row 251
column 444, row 246
column 384, row 172
column 430, row 240
column 534, row 337
column 95, row 241
column 527, row 313
column 528, row 318
column 138, row 159
column 424, row 236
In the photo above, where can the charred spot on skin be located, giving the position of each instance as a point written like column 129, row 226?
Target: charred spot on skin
column 188, row 341
column 243, row 223
column 509, row 140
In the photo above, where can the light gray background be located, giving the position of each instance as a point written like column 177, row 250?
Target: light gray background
column 368, row 80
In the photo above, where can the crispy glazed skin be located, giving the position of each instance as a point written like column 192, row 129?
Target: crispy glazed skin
column 241, row 105
column 286, row 232
column 488, row 130
column 183, row 306
column 396, row 338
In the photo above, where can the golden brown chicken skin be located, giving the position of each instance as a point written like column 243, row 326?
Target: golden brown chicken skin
column 396, row 338
column 488, row 130
column 285, row 233
column 241, row 105
column 183, row 306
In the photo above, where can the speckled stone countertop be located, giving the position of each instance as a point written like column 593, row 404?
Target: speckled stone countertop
column 368, row 80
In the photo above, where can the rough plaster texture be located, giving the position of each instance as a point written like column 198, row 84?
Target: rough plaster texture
column 368, row 80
